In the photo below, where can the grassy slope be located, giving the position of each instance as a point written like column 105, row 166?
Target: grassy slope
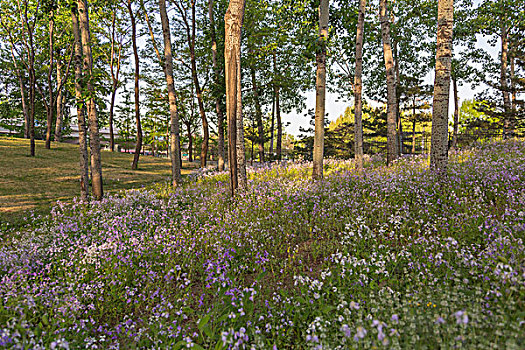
column 28, row 184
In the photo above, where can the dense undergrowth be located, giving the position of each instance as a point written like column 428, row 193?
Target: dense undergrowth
column 399, row 257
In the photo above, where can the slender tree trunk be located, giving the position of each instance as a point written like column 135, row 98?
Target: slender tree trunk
column 22, row 94
column 272, row 124
column 50, row 104
column 358, row 84
column 138, row 146
column 82, row 130
column 439, row 139
column 277, row 109
column 320, row 93
column 32, row 92
column 513, row 90
column 398, row 98
column 202, row 111
column 59, row 120
column 232, row 57
column 172, row 98
column 391, row 84
column 94, row 138
column 218, row 108
column 112, row 117
column 414, row 125
column 413, row 136
column 258, row 115
column 456, row 114
column 507, row 128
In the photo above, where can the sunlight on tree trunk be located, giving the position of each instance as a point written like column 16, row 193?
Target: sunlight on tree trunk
column 392, row 151
column 320, row 94
column 358, row 86
column 80, row 103
column 439, row 139
column 94, row 138
column 232, row 58
column 174, row 114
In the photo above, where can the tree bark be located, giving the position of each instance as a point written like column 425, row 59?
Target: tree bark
column 232, row 57
column 439, row 138
column 320, row 93
column 358, row 86
column 218, row 108
column 138, row 146
column 414, row 125
column 258, row 115
column 513, row 90
column 276, row 92
column 82, row 130
column 50, row 105
column 59, row 111
column 507, row 127
column 392, row 151
column 172, row 98
column 398, row 98
column 272, row 125
column 22, row 93
column 114, row 81
column 456, row 114
column 94, row 138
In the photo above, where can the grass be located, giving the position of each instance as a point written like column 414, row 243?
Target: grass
column 34, row 184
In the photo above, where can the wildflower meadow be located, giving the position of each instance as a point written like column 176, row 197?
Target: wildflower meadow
column 395, row 257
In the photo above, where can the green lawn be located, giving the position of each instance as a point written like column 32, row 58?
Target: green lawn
column 36, row 183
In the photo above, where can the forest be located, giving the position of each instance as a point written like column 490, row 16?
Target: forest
column 285, row 174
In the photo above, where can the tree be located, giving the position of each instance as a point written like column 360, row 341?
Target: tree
column 79, row 88
column 392, row 150
column 439, row 138
column 190, row 37
column 358, row 86
column 320, row 91
column 218, row 107
column 174, row 116
column 94, row 139
column 232, row 58
column 138, row 146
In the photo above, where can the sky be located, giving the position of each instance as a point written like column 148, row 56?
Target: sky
column 335, row 106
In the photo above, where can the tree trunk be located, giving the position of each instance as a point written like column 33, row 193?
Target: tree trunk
column 138, row 146
column 272, row 124
column 218, row 109
column 232, row 58
column 112, row 117
column 358, row 86
column 258, row 115
column 513, row 90
column 22, row 93
column 414, row 125
column 172, row 98
column 391, row 84
column 50, row 104
column 320, row 92
column 202, row 111
column 398, row 97
column 59, row 120
column 276, row 91
column 82, row 130
column 456, row 114
column 507, row 127
column 439, row 138
column 94, row 138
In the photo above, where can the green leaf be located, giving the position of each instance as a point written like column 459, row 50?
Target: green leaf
column 203, row 322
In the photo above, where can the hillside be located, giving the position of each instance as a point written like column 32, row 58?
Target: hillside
column 34, row 184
